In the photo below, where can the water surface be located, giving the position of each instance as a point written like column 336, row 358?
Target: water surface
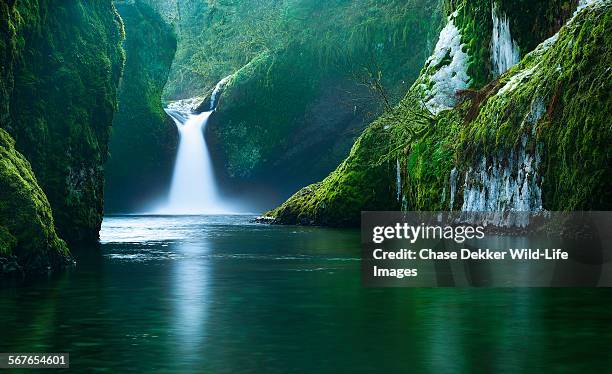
column 221, row 294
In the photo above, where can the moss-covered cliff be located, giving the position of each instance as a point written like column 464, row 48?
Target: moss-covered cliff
column 535, row 138
column 66, row 63
column 144, row 138
column 60, row 67
column 28, row 242
column 291, row 114
column 308, row 75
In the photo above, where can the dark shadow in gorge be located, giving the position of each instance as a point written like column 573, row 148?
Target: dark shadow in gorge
column 144, row 139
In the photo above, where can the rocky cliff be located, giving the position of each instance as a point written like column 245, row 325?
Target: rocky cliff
column 61, row 64
column 66, row 71
column 28, row 241
column 494, row 122
column 144, row 138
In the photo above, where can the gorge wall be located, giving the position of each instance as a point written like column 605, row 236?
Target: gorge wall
column 306, row 76
column 144, row 139
column 65, row 93
column 61, row 65
column 290, row 114
column 535, row 137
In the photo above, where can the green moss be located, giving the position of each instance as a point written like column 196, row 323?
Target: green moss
column 563, row 103
column 26, row 224
column 144, row 138
column 66, row 67
column 530, row 23
column 28, row 241
column 475, row 24
column 559, row 101
column 306, row 92
column 7, row 242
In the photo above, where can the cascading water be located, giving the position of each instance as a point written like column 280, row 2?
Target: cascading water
column 193, row 189
column 214, row 97
column 504, row 51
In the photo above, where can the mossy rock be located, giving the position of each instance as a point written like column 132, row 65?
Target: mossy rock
column 27, row 233
column 143, row 142
column 556, row 100
column 66, row 61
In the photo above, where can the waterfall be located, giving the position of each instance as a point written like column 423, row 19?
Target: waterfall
column 214, row 97
column 193, row 189
column 504, row 51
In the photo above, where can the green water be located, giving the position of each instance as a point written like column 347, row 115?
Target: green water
column 223, row 295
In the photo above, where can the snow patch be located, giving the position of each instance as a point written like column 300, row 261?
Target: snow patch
column 583, row 4
column 448, row 77
column 517, row 79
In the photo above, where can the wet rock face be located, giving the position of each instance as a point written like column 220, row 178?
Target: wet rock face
column 144, row 139
column 506, row 182
column 534, row 138
column 65, row 65
column 61, row 64
column 28, row 241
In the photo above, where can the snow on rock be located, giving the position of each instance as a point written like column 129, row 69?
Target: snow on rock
column 585, row 3
column 517, row 79
column 449, row 64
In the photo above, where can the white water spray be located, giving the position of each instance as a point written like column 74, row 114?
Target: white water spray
column 504, row 51
column 193, row 189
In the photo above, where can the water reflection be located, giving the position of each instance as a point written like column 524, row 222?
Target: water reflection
column 219, row 294
column 445, row 336
column 191, row 298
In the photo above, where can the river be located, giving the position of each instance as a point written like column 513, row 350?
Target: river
column 220, row 294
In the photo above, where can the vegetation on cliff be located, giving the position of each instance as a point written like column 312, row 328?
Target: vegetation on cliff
column 535, row 138
column 28, row 241
column 338, row 66
column 308, row 75
column 60, row 67
column 355, row 60
column 66, row 62
column 144, row 138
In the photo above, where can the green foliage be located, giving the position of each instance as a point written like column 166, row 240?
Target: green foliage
column 143, row 141
column 26, row 225
column 219, row 37
column 299, row 92
column 558, row 97
column 66, row 67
